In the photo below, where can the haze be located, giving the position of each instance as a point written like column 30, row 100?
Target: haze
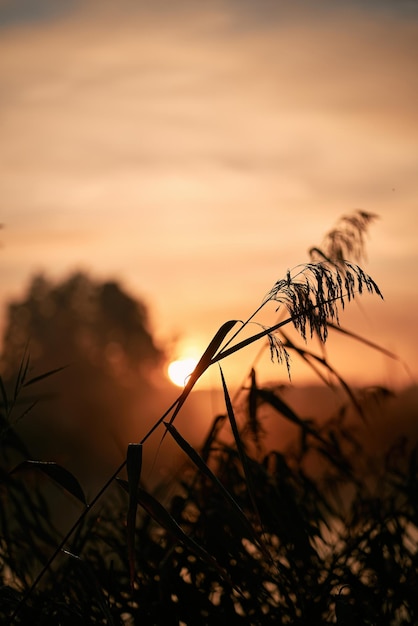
column 196, row 151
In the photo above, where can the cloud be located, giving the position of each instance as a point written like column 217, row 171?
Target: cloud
column 230, row 134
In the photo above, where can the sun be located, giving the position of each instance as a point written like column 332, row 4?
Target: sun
column 178, row 371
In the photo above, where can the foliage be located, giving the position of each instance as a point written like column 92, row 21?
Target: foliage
column 85, row 321
column 318, row 534
column 100, row 336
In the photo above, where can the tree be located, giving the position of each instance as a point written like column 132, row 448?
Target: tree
column 102, row 338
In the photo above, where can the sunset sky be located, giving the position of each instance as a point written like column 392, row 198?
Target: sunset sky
column 195, row 151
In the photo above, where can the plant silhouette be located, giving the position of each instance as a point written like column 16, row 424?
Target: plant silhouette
column 321, row 533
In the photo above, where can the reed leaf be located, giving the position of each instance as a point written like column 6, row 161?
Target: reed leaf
column 307, row 356
column 364, row 340
column 23, row 368
column 269, row 397
column 212, row 436
column 4, row 396
column 240, row 447
column 204, row 362
column 253, row 421
column 37, row 379
column 133, row 467
column 57, row 473
column 160, row 514
column 197, row 460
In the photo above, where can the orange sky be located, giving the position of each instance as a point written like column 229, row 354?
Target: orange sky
column 196, row 151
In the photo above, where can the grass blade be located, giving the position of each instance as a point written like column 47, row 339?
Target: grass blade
column 370, row 344
column 4, row 396
column 203, row 364
column 58, row 474
column 205, row 361
column 133, row 466
column 36, row 379
column 212, row 436
column 269, row 397
column 195, row 457
column 23, row 368
column 158, row 513
column 309, row 356
column 241, row 452
column 253, row 421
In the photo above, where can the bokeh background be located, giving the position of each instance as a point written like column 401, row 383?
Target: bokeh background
column 193, row 152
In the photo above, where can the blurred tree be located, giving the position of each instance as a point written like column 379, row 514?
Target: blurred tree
column 102, row 335
column 80, row 320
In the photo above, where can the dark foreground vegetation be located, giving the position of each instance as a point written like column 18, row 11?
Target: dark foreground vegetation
column 324, row 532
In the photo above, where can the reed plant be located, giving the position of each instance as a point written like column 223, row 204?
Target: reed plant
column 316, row 534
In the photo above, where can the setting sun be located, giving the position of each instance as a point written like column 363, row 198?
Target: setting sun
column 178, row 371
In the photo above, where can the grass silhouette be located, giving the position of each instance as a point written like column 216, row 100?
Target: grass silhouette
column 319, row 534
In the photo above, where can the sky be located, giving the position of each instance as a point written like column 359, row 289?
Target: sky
column 196, row 151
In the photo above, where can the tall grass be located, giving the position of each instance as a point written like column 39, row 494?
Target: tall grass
column 319, row 534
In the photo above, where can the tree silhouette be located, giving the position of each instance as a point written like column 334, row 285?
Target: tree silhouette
column 101, row 336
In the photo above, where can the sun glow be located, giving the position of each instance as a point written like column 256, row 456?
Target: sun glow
column 178, row 371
